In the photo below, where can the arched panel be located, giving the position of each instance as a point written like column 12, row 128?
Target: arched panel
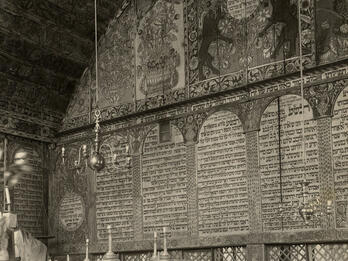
column 164, row 182
column 114, row 192
column 221, row 176
column 340, row 157
column 281, row 161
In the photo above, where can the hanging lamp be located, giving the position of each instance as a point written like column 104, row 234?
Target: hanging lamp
column 95, row 160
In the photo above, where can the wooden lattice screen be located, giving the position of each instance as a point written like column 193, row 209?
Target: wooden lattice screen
column 307, row 252
column 235, row 253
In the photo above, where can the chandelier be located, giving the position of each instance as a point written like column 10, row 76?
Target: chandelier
column 95, row 159
column 309, row 207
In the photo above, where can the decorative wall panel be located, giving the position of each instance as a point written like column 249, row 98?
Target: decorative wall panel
column 331, row 30
column 69, row 184
column 160, row 59
column 340, row 158
column 164, row 183
column 221, row 176
column 116, row 65
column 235, row 42
column 115, row 192
column 282, row 161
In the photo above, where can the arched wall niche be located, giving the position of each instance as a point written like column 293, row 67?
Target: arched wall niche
column 340, row 157
column 221, row 176
column 164, row 182
column 281, row 160
column 114, row 184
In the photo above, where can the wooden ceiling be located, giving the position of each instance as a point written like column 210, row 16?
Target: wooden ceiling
column 45, row 45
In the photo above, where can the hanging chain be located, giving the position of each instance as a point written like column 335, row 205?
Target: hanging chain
column 96, row 54
column 302, row 89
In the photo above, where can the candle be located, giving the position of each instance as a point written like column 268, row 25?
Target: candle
column 127, row 148
column 155, row 234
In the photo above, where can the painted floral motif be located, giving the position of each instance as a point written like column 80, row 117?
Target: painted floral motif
column 158, row 58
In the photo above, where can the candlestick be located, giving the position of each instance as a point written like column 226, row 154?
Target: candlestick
column 164, row 255
column 86, row 258
column 165, row 252
column 110, row 256
column 154, row 256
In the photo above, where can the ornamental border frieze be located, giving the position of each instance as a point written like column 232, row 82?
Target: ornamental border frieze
column 243, row 95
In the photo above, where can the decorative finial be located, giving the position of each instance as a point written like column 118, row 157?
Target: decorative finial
column 110, row 256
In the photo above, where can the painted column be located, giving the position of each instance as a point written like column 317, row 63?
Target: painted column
column 192, row 200
column 327, row 185
column 137, row 198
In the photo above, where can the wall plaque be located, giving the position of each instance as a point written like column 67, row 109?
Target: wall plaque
column 71, row 212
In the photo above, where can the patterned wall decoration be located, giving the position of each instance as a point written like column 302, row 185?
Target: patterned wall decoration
column 67, row 182
column 164, row 183
column 331, row 30
column 116, row 75
column 80, row 102
column 221, row 176
column 233, row 42
column 116, row 64
column 216, row 34
column 340, row 154
column 320, row 91
column 281, row 161
column 114, row 201
column 160, row 60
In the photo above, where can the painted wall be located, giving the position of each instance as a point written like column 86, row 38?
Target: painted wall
column 162, row 52
column 229, row 175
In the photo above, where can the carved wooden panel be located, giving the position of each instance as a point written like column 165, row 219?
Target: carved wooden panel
column 221, row 176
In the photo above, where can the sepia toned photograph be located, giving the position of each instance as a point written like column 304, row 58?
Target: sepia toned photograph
column 173, row 130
